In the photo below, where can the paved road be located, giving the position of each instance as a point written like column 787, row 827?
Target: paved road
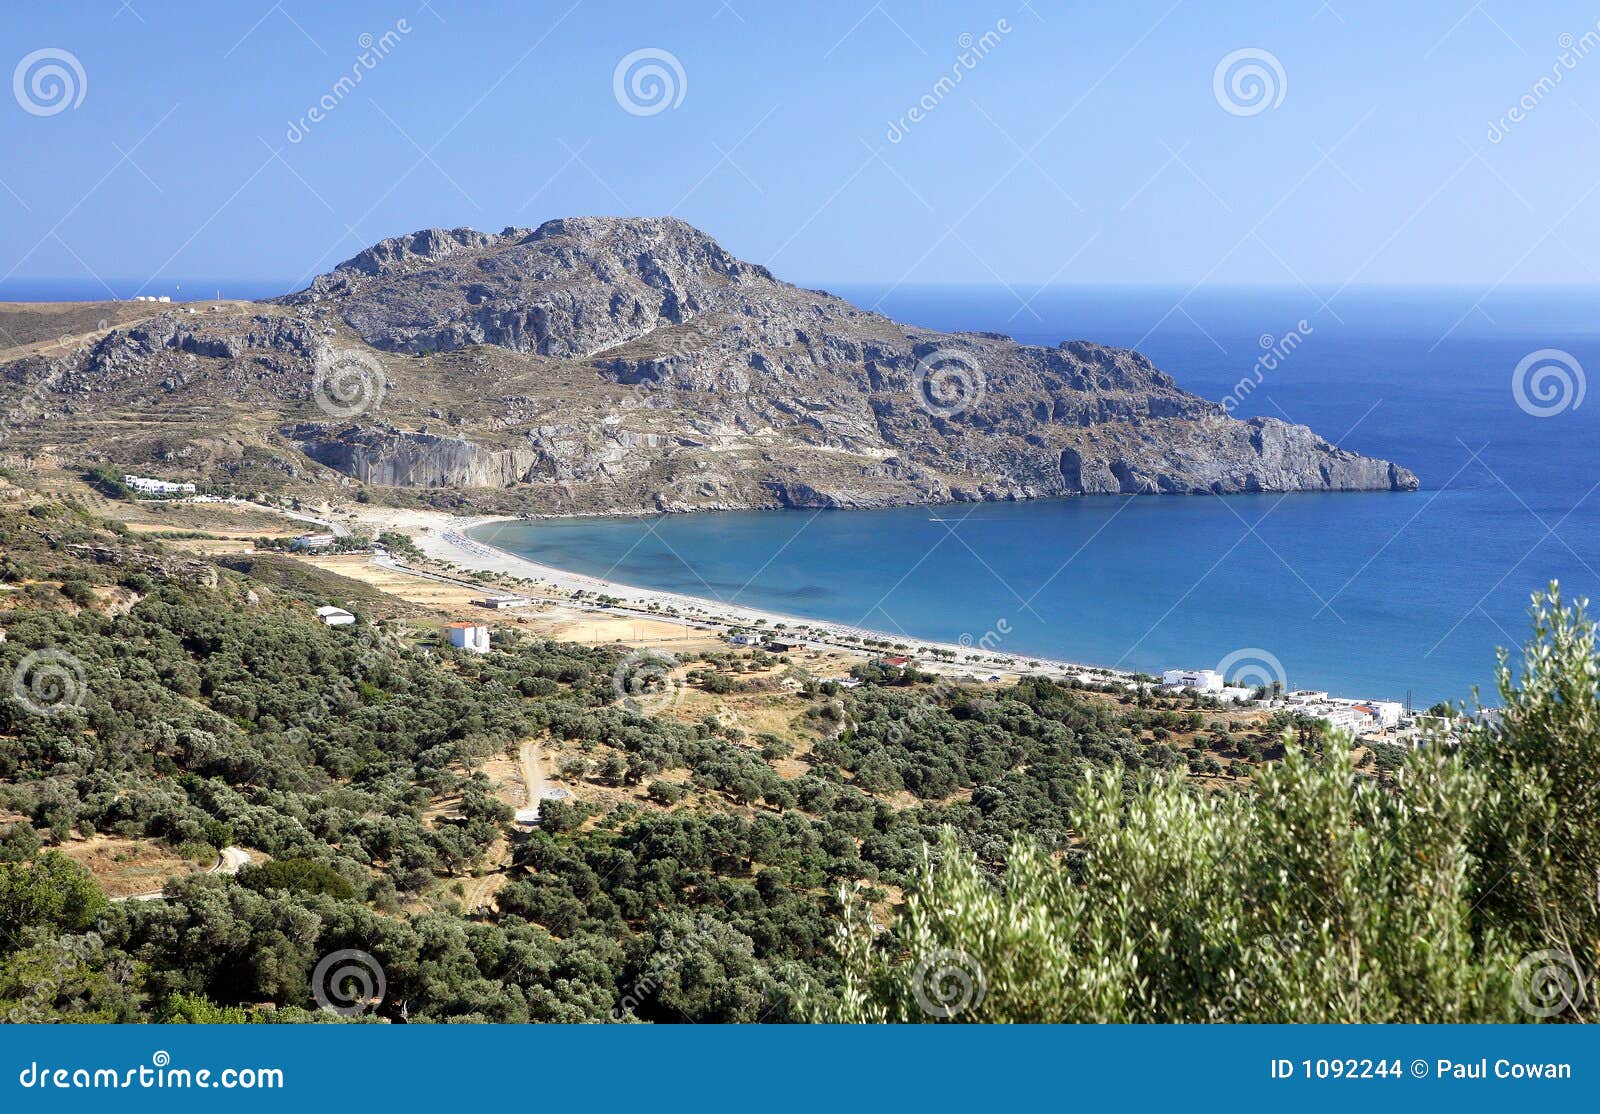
column 333, row 528
column 231, row 861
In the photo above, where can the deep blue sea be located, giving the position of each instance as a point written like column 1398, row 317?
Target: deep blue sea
column 1374, row 595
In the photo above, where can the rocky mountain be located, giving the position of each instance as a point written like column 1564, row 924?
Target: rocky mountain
column 634, row 364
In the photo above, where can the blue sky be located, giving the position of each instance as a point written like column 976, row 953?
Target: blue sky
column 1088, row 145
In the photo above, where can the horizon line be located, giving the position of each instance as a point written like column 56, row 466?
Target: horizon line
column 292, row 285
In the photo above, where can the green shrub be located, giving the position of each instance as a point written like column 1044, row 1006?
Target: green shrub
column 301, row 876
column 1318, row 895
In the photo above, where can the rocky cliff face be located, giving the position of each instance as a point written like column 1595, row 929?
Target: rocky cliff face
column 611, row 364
column 568, row 289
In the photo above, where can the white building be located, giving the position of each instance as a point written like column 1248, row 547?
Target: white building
column 313, row 541
column 473, row 637
column 1386, row 712
column 1347, row 717
column 1360, row 717
column 147, row 486
column 1306, row 697
column 335, row 616
column 1202, row 680
column 502, row 602
column 744, row 639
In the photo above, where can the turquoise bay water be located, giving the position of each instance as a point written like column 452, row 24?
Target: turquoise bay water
column 1366, row 594
column 1370, row 594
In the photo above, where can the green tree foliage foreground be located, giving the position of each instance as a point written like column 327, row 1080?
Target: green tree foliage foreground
column 1461, row 888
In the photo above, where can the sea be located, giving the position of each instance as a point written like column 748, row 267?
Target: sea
column 1380, row 595
column 1390, row 595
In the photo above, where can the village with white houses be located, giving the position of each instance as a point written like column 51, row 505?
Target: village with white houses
column 1357, row 716
column 1367, row 718
column 1388, row 720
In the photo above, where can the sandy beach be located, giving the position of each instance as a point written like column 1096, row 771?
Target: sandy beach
column 445, row 538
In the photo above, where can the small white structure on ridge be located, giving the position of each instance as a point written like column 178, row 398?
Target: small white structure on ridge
column 1201, row 680
column 335, row 616
column 473, row 637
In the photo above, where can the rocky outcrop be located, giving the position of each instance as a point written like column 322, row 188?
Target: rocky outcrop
column 569, row 288
column 394, row 459
column 1225, row 458
column 403, row 458
column 179, row 569
column 618, row 364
